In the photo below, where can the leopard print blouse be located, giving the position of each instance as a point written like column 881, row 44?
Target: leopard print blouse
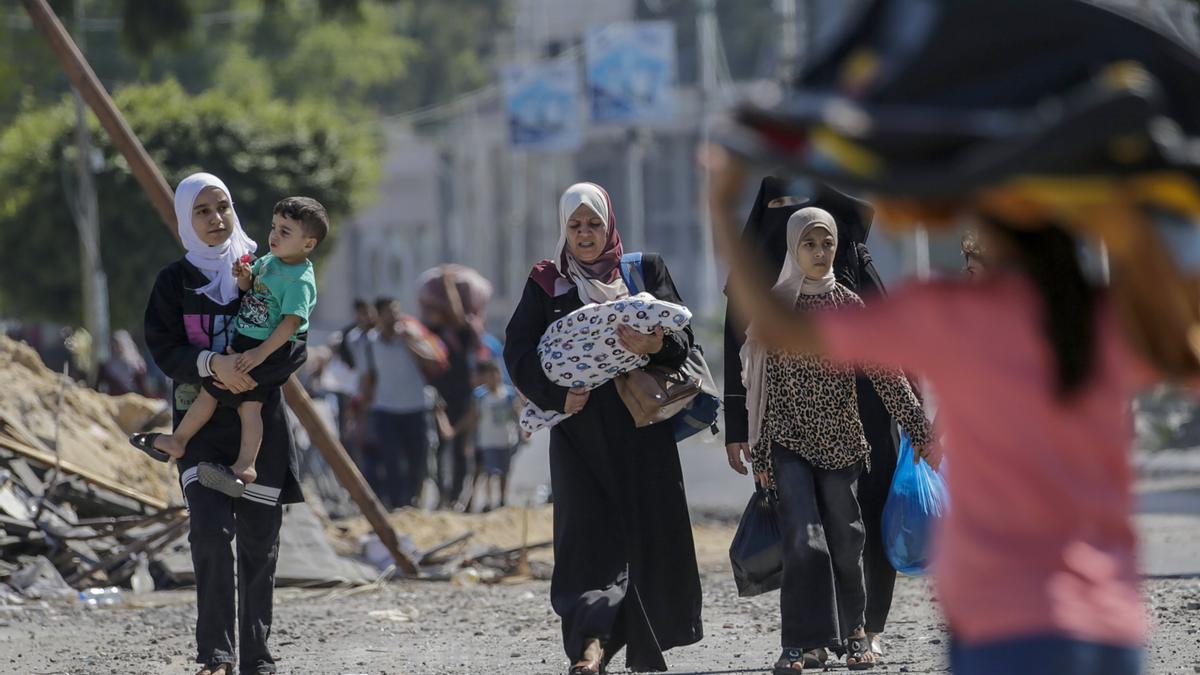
column 812, row 405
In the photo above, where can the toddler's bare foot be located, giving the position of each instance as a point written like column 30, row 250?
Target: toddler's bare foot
column 170, row 445
column 246, row 473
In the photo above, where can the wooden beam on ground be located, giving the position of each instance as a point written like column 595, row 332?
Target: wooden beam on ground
column 47, row 459
column 155, row 186
column 347, row 473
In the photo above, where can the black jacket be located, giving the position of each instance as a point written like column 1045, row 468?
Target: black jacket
column 179, row 324
column 625, row 562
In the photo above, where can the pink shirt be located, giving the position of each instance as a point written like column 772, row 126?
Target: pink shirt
column 1039, row 538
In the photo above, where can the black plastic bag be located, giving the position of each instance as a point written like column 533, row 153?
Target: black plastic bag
column 757, row 549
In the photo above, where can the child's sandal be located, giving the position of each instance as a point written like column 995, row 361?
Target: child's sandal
column 145, row 443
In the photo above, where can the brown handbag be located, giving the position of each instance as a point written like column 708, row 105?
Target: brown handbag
column 655, row 393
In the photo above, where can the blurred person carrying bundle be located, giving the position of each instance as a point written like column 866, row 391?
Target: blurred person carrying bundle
column 453, row 302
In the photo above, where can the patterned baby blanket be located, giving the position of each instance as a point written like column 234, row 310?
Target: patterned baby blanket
column 581, row 349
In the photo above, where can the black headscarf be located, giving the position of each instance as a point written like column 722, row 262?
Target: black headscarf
column 766, row 229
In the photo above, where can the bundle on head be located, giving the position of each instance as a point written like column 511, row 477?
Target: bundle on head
column 944, row 107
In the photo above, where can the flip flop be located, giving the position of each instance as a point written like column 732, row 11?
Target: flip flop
column 857, row 649
column 220, row 478
column 786, row 664
column 145, row 443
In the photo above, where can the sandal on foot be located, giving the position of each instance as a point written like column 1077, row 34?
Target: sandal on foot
column 786, row 665
column 217, row 669
column 145, row 443
column 857, row 648
column 220, row 478
column 877, row 647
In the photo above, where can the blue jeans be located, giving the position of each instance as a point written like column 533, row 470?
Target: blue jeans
column 1044, row 655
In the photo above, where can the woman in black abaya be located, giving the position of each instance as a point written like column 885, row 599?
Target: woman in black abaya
column 625, row 565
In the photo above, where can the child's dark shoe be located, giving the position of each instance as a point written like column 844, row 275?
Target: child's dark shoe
column 145, row 443
column 220, row 478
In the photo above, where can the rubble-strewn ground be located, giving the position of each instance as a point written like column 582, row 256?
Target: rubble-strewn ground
column 429, row 628
column 424, row 628
column 91, row 428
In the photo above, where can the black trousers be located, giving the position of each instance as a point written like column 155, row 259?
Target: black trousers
column 873, row 489
column 216, row 521
column 823, row 597
column 453, row 468
column 272, row 364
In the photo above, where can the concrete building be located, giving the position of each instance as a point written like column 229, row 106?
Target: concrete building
column 462, row 194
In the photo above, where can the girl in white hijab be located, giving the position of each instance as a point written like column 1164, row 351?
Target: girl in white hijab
column 216, row 262
column 807, row 442
column 791, row 284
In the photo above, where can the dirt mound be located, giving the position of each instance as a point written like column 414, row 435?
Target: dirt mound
column 94, row 426
column 502, row 528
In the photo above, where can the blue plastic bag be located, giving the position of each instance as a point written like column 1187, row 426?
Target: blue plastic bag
column 915, row 501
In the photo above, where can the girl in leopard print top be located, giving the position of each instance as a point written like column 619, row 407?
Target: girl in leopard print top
column 807, row 443
column 812, row 405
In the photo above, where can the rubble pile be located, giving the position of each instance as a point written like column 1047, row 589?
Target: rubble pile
column 79, row 507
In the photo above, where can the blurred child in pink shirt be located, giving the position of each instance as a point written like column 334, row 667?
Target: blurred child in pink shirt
column 1035, row 564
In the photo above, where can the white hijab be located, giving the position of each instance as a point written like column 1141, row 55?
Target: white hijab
column 791, row 284
column 216, row 262
column 591, row 289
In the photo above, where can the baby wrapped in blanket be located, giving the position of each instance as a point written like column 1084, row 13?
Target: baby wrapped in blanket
column 581, row 350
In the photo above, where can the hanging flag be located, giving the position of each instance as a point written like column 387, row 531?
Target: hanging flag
column 543, row 104
column 631, row 72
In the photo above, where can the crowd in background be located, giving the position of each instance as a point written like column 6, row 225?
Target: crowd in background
column 421, row 403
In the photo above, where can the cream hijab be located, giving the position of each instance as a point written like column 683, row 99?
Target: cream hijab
column 216, row 262
column 791, row 284
column 600, row 280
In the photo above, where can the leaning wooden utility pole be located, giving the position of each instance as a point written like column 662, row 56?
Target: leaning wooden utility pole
column 150, row 178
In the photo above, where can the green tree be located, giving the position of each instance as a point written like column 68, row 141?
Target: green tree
column 263, row 149
column 378, row 56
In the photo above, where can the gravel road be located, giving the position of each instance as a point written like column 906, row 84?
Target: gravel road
column 423, row 628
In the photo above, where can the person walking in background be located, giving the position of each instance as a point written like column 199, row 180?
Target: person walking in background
column 494, row 432
column 343, row 376
column 393, row 390
column 625, row 572
column 125, row 370
column 439, row 432
column 446, row 316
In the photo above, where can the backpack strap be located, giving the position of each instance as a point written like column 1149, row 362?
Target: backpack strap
column 631, row 272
